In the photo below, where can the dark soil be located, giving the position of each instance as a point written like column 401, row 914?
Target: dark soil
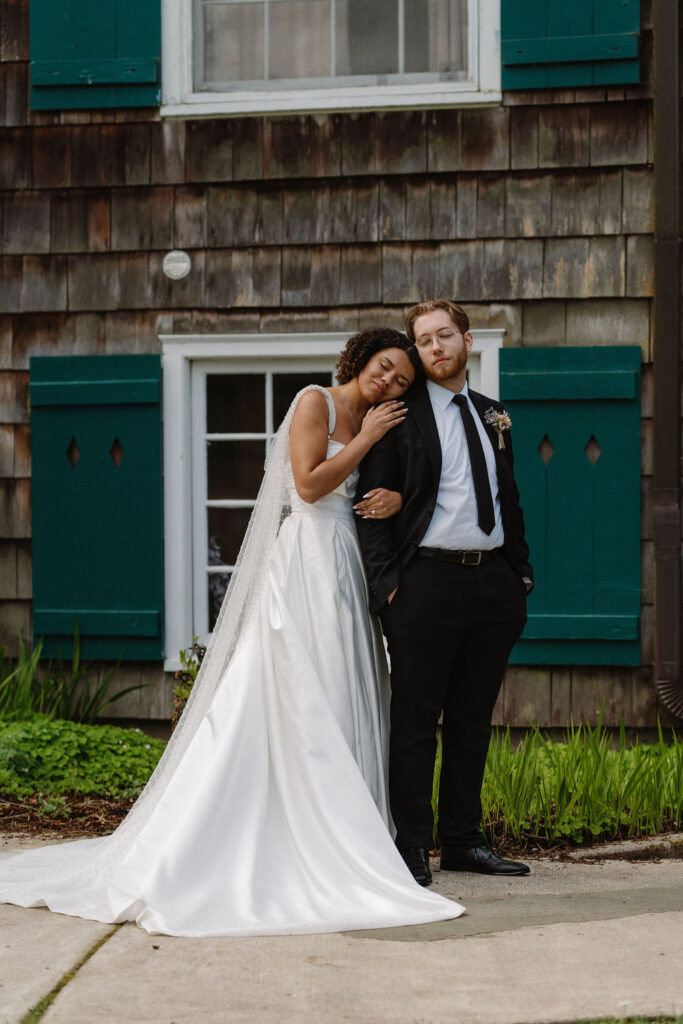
column 76, row 816
column 86, row 816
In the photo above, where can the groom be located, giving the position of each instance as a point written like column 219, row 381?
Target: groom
column 449, row 576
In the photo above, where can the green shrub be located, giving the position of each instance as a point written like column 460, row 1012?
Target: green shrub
column 57, row 757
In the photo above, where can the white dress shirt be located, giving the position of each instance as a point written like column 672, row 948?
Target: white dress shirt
column 454, row 523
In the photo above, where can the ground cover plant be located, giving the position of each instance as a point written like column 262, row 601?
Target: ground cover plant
column 54, row 772
column 58, row 757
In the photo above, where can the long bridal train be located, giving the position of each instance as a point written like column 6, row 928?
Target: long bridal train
column 268, row 811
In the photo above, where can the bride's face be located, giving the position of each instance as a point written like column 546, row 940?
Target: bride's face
column 388, row 374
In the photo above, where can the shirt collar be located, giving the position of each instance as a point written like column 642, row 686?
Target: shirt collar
column 441, row 396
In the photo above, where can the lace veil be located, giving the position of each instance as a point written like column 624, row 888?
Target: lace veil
column 82, row 860
column 246, row 583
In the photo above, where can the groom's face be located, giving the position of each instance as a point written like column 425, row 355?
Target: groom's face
column 442, row 348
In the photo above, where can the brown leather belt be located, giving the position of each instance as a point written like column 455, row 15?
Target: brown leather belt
column 460, row 557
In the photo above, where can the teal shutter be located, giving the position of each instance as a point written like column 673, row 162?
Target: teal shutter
column 547, row 44
column 97, row 505
column 576, row 425
column 94, row 53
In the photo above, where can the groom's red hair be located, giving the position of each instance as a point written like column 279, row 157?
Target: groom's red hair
column 456, row 313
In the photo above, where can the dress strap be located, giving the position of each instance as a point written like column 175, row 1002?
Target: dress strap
column 332, row 414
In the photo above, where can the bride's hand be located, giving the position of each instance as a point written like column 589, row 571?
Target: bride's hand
column 379, row 504
column 381, row 418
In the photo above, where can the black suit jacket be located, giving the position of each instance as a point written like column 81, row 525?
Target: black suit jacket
column 408, row 459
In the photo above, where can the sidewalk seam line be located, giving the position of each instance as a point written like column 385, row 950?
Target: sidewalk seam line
column 41, row 1007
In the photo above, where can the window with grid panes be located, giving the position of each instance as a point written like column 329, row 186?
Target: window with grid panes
column 239, row 414
column 303, row 43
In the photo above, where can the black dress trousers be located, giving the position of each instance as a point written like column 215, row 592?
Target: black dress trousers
column 450, row 629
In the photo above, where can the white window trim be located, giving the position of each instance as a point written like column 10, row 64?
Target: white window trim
column 179, row 99
column 240, row 353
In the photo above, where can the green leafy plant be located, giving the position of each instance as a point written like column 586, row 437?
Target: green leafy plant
column 53, row 807
column 191, row 660
column 581, row 788
column 63, row 689
column 55, row 757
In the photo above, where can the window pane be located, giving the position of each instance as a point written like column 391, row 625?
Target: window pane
column 299, row 39
column 217, row 583
column 367, row 37
column 233, row 42
column 286, row 385
column 226, row 531
column 235, row 468
column 436, row 36
column 235, row 403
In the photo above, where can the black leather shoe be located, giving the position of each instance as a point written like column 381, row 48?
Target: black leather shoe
column 482, row 859
column 417, row 859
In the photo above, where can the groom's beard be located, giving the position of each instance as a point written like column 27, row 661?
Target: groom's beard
column 449, row 367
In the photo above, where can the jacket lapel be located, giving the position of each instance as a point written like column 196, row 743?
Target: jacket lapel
column 420, row 407
column 481, row 404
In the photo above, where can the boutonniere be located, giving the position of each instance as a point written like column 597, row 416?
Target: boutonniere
column 500, row 421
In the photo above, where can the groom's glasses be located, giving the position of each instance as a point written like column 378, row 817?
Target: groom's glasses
column 446, row 334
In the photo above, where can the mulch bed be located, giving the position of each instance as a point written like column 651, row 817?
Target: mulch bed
column 97, row 816
column 90, row 816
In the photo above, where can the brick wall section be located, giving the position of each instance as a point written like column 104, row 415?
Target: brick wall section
column 538, row 215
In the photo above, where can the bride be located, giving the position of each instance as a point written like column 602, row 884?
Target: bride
column 267, row 813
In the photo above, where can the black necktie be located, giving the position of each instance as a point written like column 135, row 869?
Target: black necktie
column 482, row 488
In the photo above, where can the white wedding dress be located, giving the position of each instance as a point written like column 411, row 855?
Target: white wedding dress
column 274, row 818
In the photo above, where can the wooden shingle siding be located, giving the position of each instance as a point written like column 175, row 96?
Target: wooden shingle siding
column 538, row 214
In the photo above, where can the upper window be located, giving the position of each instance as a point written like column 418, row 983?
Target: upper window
column 261, row 56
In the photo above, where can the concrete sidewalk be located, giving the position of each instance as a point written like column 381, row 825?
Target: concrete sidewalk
column 570, row 941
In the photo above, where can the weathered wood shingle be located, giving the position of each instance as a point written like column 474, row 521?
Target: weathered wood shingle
column 523, row 138
column 190, row 217
column 460, row 270
column 208, row 151
column 14, row 31
column 51, row 154
column 80, row 221
column 243, row 277
column 490, row 207
column 142, row 218
column 527, row 205
column 563, row 137
column 43, row 283
column 24, row 222
column 138, row 154
column 444, row 140
column 442, row 208
column 619, row 133
column 310, row 274
column 15, row 159
column 94, row 282
column 167, row 155
column 485, row 139
column 361, row 275
column 98, row 155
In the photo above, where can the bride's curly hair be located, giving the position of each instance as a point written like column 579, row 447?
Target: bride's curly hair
column 360, row 349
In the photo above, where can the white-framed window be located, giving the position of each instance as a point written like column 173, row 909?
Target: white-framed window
column 223, row 398
column 293, row 56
